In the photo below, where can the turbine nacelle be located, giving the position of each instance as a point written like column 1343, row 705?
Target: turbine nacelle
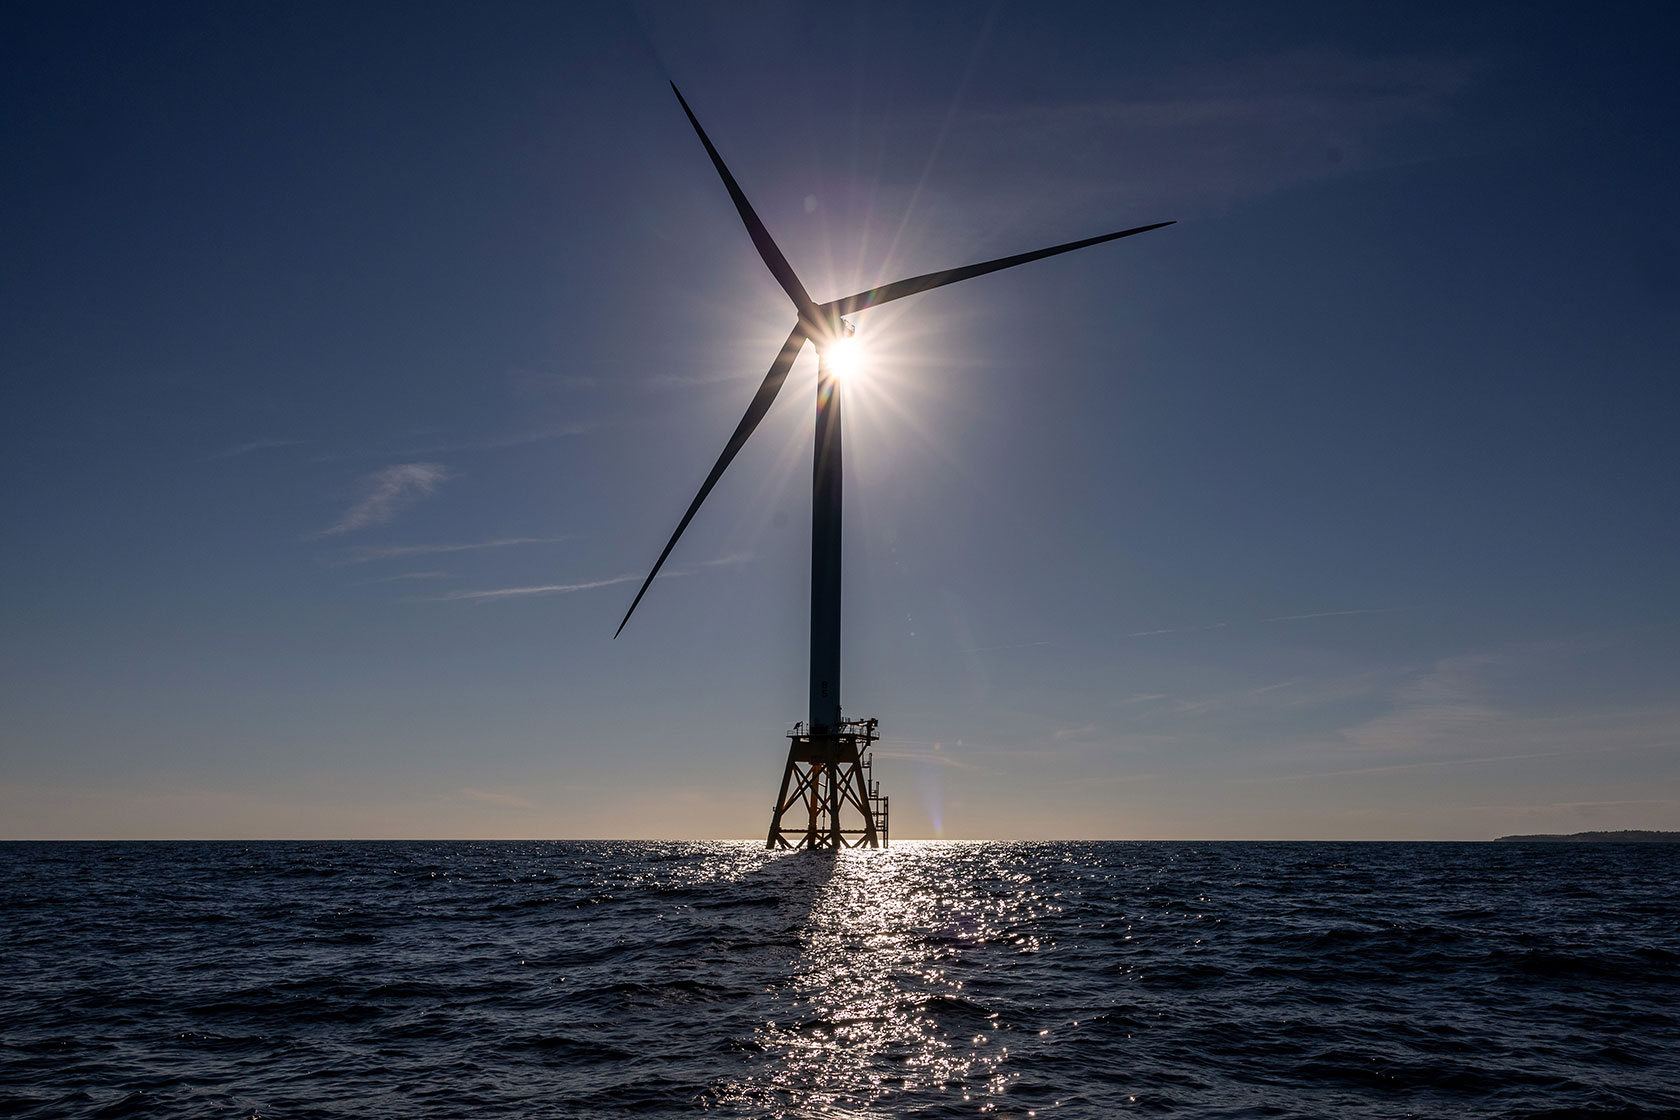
column 831, row 331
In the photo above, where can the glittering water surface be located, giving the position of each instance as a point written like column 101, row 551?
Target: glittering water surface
column 571, row 979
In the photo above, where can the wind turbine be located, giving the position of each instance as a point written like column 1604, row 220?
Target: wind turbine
column 825, row 766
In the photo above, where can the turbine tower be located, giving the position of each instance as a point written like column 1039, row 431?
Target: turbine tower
column 828, row 769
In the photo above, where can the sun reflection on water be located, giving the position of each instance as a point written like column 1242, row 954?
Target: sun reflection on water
column 878, row 1002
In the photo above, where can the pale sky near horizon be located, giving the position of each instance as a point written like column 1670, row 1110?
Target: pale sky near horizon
column 358, row 362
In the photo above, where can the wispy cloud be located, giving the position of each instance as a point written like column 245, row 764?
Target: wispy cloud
column 503, row 800
column 1276, row 618
column 1229, row 129
column 931, row 758
column 1254, row 705
column 386, row 492
column 431, row 441
column 397, row 552
column 666, row 381
column 491, row 593
column 507, row 439
column 539, row 382
column 237, row 450
column 1176, row 630
column 409, row 576
column 1479, row 708
column 730, row 560
column 541, row 589
column 1335, row 614
column 1432, row 763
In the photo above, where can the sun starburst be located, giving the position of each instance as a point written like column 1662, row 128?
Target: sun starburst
column 845, row 358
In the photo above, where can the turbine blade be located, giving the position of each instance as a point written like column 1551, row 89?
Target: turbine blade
column 761, row 401
column 901, row 288
column 767, row 250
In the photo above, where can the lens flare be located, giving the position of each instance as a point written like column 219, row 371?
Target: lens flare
column 845, row 358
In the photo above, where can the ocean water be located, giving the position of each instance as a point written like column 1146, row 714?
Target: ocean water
column 292, row 980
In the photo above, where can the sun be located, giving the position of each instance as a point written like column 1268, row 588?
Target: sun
column 845, row 358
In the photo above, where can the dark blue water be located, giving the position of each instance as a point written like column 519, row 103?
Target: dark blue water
column 291, row 980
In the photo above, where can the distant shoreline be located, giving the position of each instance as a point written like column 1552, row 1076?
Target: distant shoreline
column 1626, row 836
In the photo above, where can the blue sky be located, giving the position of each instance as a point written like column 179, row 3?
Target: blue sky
column 358, row 363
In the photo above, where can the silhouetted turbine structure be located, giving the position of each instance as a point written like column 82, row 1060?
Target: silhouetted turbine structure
column 826, row 768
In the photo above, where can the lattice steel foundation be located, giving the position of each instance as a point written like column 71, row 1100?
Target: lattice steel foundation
column 827, row 781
